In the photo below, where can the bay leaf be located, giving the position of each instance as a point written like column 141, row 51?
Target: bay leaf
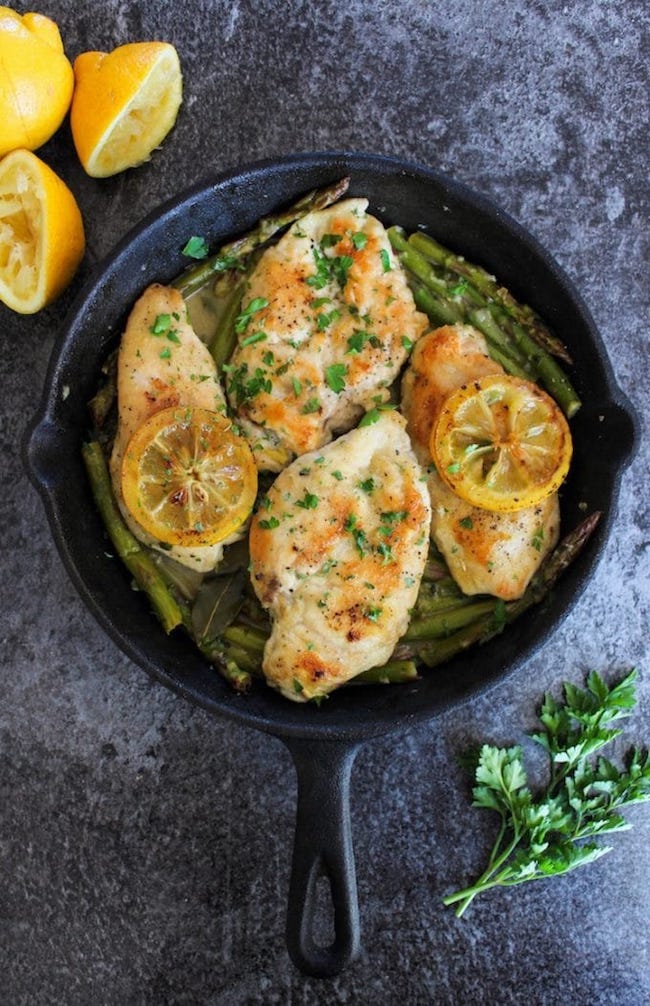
column 217, row 604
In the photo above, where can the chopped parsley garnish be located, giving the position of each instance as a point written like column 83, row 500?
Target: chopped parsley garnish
column 310, row 406
column 459, row 289
column 241, row 387
column 390, row 518
column 165, row 353
column 407, row 343
column 360, row 537
column 161, row 324
column 373, row 614
column 330, row 240
column 335, row 377
column 367, row 485
column 250, row 339
column 386, row 553
column 385, row 260
column 196, row 247
column 322, row 275
column 308, row 502
column 537, row 539
column 329, row 268
column 268, row 525
column 359, row 338
column 296, row 385
column 242, row 321
column 467, row 523
column 359, row 240
column 324, row 320
column 336, row 474
column 372, row 415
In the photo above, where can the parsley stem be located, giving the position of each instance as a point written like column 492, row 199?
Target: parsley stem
column 486, row 881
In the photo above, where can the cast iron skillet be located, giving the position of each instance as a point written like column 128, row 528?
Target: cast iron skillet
column 323, row 741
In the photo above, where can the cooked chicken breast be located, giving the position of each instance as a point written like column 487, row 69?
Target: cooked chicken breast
column 337, row 548
column 162, row 363
column 486, row 552
column 325, row 328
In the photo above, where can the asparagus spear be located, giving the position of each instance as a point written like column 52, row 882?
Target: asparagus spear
column 247, row 637
column 225, row 337
column 395, row 672
column 236, row 675
column 105, row 397
column 487, row 285
column 232, row 254
column 147, row 574
column 134, row 556
column 245, row 645
column 444, row 622
column 513, row 346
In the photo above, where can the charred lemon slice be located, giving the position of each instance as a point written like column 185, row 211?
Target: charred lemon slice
column 501, row 443
column 188, row 478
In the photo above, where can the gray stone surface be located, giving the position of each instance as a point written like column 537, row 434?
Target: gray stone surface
column 145, row 846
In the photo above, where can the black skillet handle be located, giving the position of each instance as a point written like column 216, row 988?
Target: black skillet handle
column 322, row 849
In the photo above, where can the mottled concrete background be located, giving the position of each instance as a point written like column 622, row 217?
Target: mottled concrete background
column 145, row 846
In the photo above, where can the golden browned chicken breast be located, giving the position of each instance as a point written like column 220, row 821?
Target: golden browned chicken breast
column 338, row 547
column 325, row 327
column 486, row 552
column 162, row 363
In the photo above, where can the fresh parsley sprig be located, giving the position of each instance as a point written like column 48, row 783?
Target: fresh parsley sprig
column 546, row 834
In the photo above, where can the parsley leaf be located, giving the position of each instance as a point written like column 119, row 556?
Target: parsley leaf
column 543, row 834
column 243, row 320
column 196, row 247
column 335, row 377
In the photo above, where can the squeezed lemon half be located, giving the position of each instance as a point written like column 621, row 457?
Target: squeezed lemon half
column 125, row 103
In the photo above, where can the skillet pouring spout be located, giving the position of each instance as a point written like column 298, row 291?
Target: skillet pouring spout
column 322, row 740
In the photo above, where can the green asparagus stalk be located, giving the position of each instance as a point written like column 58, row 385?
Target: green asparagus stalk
column 433, row 295
column 245, row 646
column 395, row 672
column 448, row 620
column 134, row 556
column 550, row 373
column 511, row 360
column 436, row 308
column 232, row 254
column 252, row 640
column 517, row 349
column 105, row 397
column 149, row 577
column 225, row 337
column 244, row 659
column 487, row 285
